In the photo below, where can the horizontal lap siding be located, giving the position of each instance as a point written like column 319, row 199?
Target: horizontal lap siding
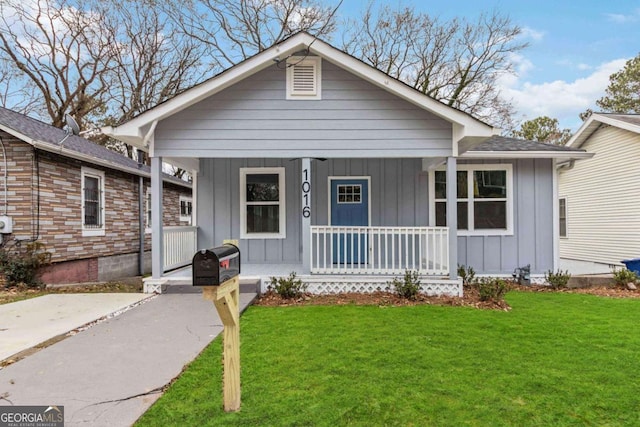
column 254, row 119
column 532, row 239
column 603, row 220
column 398, row 198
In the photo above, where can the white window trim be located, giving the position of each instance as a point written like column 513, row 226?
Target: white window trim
column 185, row 218
column 281, row 203
column 316, row 61
column 147, row 209
column 469, row 168
column 94, row 173
column 566, row 217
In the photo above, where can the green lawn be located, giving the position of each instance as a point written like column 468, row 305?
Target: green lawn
column 554, row 360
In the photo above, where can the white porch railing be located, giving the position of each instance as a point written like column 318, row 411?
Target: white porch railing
column 179, row 246
column 379, row 250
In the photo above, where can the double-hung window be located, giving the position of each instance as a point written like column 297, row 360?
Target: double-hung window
column 262, row 203
column 92, row 202
column 562, row 216
column 484, row 197
column 186, row 206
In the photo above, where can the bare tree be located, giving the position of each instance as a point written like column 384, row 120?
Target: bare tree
column 152, row 62
column 59, row 50
column 456, row 62
column 234, row 30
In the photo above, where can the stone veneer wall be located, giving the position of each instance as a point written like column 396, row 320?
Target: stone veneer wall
column 74, row 257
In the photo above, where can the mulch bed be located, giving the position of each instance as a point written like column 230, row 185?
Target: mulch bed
column 470, row 298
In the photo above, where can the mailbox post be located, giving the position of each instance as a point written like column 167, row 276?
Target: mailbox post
column 218, row 270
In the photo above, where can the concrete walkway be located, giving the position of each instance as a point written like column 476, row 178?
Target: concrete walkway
column 27, row 323
column 101, row 375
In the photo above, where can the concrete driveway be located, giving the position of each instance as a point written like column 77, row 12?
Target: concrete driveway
column 109, row 374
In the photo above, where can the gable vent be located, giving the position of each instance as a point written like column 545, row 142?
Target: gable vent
column 303, row 78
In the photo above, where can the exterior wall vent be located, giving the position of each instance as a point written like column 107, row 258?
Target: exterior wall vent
column 304, row 78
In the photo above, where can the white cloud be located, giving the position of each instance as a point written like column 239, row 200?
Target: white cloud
column 620, row 18
column 560, row 99
column 584, row 67
column 532, row 34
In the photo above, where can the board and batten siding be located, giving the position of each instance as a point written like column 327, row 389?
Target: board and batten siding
column 603, row 207
column 398, row 197
column 532, row 239
column 253, row 119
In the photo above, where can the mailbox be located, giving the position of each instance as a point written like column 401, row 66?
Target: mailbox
column 212, row 267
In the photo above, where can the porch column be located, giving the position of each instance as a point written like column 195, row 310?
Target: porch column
column 452, row 216
column 306, row 215
column 157, row 240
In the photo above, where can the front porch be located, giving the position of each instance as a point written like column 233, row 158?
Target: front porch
column 342, row 259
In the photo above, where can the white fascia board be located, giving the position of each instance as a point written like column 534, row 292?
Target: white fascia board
column 471, row 126
column 566, row 155
column 593, row 123
column 132, row 131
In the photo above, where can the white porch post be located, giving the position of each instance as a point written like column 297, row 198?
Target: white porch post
column 305, row 189
column 157, row 240
column 452, row 216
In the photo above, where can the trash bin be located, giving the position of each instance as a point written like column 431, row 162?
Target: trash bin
column 632, row 264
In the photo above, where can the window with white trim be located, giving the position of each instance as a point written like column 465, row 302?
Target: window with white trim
column 304, row 79
column 186, row 207
column 262, row 203
column 92, row 202
column 484, row 199
column 562, row 217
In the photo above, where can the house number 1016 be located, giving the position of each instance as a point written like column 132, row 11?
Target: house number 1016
column 306, row 194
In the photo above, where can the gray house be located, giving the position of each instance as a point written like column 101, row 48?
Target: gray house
column 315, row 162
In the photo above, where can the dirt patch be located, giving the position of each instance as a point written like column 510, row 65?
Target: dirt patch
column 471, row 298
column 17, row 293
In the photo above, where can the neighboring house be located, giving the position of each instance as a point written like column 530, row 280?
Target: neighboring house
column 79, row 199
column 318, row 163
column 599, row 203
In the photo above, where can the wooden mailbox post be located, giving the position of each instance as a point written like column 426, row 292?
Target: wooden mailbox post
column 217, row 270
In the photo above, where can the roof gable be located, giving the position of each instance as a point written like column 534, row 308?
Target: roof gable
column 139, row 130
column 630, row 122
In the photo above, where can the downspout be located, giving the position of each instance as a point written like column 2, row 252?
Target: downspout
column 141, row 216
column 566, row 166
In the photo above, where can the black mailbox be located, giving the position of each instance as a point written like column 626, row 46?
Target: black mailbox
column 212, row 267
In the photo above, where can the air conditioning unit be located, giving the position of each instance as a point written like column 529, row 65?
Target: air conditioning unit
column 6, row 224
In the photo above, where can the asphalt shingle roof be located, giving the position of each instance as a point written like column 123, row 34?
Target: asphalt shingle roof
column 40, row 131
column 634, row 119
column 501, row 143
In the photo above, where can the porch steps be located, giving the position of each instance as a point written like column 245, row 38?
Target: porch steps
column 591, row 280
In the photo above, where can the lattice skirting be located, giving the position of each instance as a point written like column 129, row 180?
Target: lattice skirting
column 364, row 284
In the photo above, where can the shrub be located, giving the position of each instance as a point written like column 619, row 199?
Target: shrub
column 468, row 275
column 19, row 264
column 624, row 276
column 408, row 287
column 490, row 289
column 288, row 287
column 557, row 280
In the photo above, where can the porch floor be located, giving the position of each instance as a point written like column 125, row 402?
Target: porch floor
column 259, row 274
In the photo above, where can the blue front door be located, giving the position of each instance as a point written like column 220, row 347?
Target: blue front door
column 349, row 207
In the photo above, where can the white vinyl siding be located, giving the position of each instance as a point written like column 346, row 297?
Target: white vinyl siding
column 604, row 206
column 304, row 78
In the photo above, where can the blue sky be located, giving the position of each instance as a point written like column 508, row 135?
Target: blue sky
column 574, row 45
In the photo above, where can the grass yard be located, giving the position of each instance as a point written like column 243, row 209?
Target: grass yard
column 553, row 360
